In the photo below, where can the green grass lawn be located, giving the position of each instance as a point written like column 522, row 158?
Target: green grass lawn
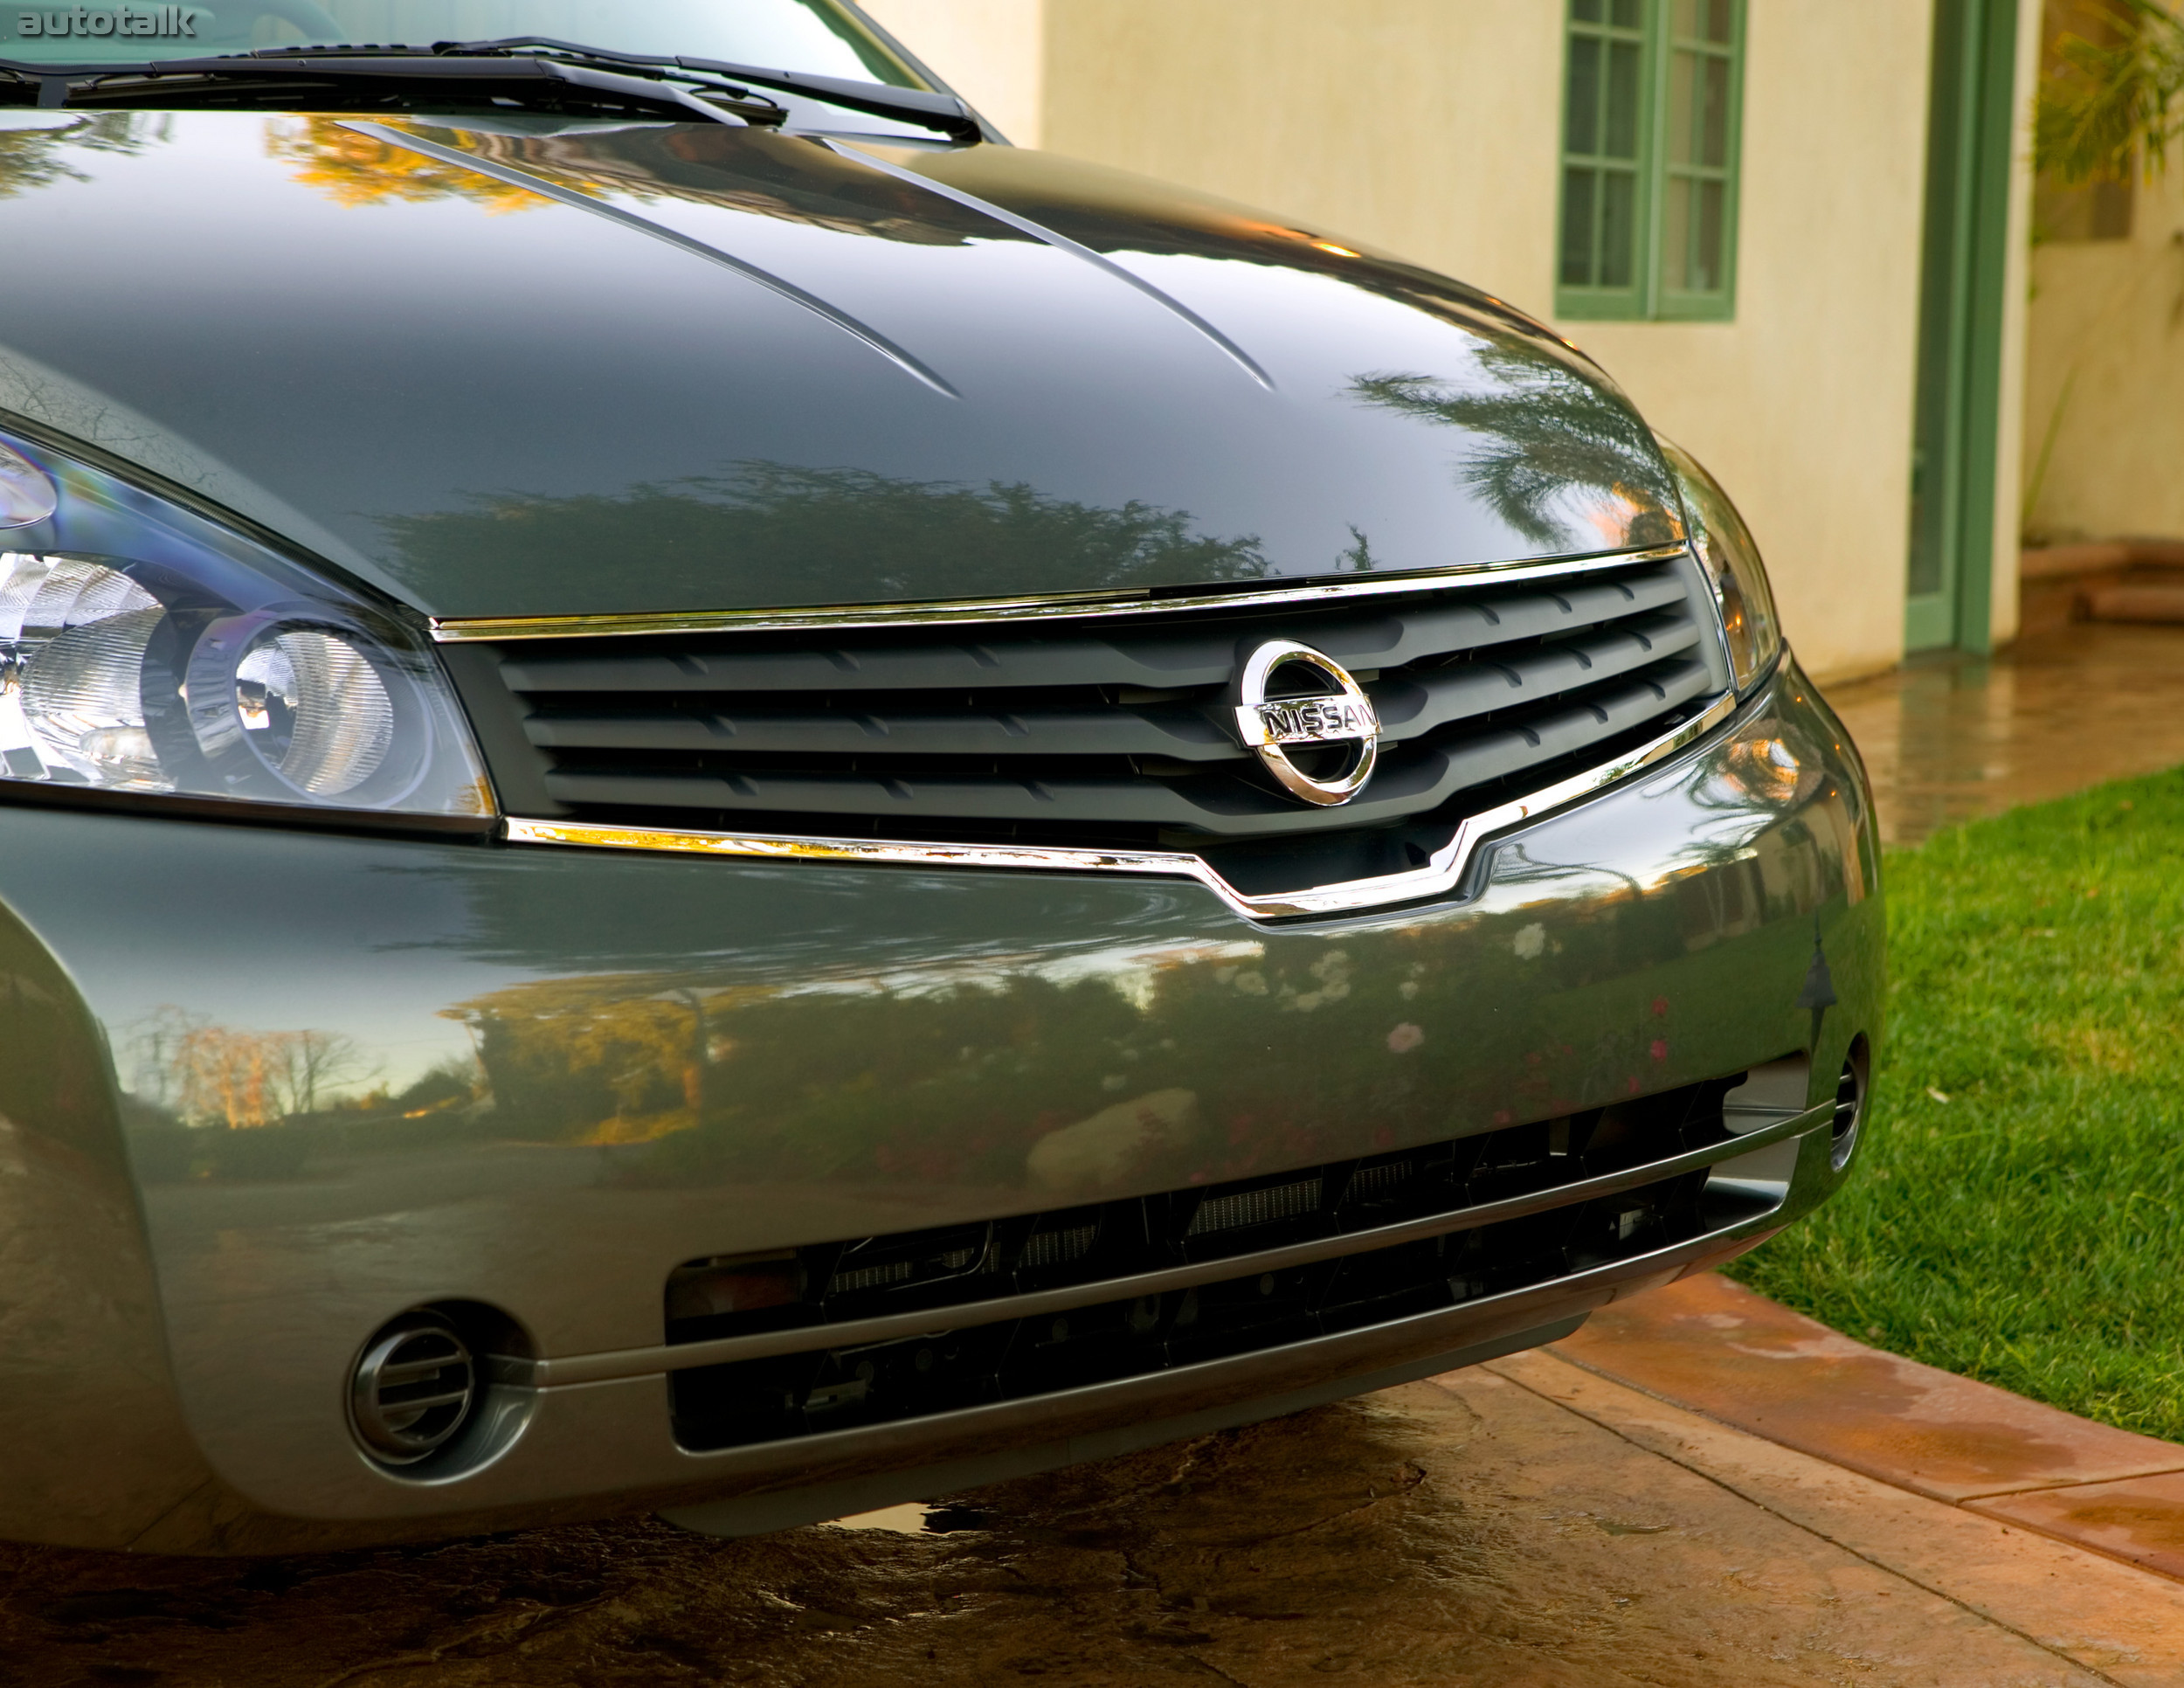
column 2018, row 1213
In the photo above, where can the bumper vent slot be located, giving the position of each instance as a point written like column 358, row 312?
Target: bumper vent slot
column 1047, row 1248
column 959, row 1358
column 1255, row 1206
column 869, row 1278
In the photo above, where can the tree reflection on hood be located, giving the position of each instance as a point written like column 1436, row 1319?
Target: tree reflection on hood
column 1546, row 444
column 837, row 533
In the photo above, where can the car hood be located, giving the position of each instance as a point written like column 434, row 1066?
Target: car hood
column 533, row 367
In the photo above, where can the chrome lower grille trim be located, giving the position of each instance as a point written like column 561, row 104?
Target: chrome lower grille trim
column 1440, row 875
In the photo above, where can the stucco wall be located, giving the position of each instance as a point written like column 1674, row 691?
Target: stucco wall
column 2107, row 319
column 1419, row 126
column 990, row 51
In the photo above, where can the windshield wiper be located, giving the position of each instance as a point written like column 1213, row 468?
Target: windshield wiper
column 943, row 112
column 402, row 73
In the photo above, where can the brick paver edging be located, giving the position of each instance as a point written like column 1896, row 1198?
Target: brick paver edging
column 1714, row 1347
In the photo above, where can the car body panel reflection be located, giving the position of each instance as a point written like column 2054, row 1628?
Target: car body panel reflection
column 544, row 1077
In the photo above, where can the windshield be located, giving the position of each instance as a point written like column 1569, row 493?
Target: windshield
column 813, row 36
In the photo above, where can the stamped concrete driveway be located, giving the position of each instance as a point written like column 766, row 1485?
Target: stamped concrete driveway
column 1530, row 1524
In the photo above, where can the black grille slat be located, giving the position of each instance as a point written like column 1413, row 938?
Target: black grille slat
column 1542, row 613
column 945, row 664
column 1111, row 733
column 1412, row 780
column 1407, row 707
column 1440, row 697
column 971, row 732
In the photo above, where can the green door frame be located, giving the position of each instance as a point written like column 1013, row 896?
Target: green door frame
column 1957, row 424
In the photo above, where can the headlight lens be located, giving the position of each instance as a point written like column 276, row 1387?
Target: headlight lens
column 1723, row 544
column 146, row 648
column 27, row 493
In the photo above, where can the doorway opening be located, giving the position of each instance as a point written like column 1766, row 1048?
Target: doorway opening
column 1966, row 250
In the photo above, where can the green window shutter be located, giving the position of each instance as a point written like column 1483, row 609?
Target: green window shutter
column 1607, row 128
column 1704, row 62
column 1652, row 110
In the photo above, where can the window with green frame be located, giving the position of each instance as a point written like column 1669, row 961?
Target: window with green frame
column 1651, row 97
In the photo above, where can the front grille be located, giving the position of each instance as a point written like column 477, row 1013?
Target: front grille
column 1114, row 735
column 957, row 1360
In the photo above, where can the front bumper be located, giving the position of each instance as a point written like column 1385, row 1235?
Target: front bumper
column 689, row 1058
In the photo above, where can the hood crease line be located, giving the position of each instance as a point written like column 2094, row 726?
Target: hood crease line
column 750, row 272
column 1062, row 243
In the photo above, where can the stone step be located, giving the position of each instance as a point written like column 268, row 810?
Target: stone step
column 1711, row 1344
column 2133, row 601
column 2098, row 556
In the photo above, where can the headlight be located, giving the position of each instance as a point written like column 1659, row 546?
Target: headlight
column 146, row 648
column 1723, row 544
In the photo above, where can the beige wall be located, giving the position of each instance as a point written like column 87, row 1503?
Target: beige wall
column 990, row 51
column 1428, row 126
column 2108, row 319
column 1417, row 125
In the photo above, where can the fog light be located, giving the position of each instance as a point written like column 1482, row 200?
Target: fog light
column 1850, row 1087
column 414, row 1388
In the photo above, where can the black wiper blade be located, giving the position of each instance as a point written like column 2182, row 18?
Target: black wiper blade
column 529, row 79
column 943, row 112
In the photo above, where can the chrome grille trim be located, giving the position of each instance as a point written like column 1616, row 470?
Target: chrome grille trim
column 1440, row 875
column 1032, row 607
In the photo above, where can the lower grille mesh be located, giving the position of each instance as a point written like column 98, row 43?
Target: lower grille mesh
column 1256, row 1208
column 963, row 1361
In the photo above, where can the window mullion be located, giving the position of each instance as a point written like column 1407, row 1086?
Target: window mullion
column 1654, row 156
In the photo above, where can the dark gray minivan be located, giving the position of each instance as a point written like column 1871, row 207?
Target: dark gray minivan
column 716, row 798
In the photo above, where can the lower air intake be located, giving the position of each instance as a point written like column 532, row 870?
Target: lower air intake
column 1543, row 1200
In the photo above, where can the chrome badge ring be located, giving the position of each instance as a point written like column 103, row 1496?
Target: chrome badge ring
column 1267, row 725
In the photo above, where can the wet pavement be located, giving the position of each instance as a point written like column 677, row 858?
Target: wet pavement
column 1529, row 1523
column 1946, row 738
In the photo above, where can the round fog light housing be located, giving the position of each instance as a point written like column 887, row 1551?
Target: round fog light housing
column 1851, row 1092
column 414, row 1390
